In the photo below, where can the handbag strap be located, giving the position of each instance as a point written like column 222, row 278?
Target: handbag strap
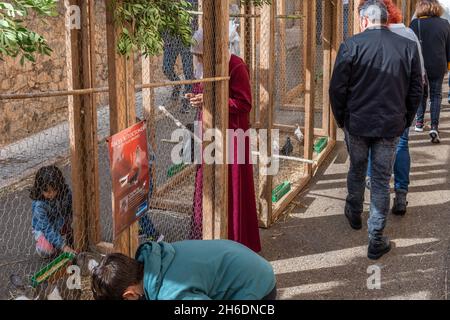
column 420, row 31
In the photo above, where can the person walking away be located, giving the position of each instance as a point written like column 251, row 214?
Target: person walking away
column 375, row 91
column 402, row 165
column 434, row 35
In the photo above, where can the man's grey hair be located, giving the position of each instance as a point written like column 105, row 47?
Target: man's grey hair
column 375, row 11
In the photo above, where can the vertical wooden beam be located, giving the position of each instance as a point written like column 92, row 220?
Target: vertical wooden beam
column 83, row 127
column 122, row 107
column 281, row 25
column 92, row 174
column 73, row 49
column 221, row 105
column 215, row 115
column 208, row 117
column 327, row 19
column 356, row 28
column 200, row 17
column 338, row 32
column 254, row 65
column 267, row 86
column 250, row 54
column 311, row 13
column 148, row 103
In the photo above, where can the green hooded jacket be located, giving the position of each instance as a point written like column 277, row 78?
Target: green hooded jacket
column 203, row 270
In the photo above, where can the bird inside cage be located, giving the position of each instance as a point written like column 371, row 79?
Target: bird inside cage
column 287, row 148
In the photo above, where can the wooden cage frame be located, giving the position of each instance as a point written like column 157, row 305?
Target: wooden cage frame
column 82, row 91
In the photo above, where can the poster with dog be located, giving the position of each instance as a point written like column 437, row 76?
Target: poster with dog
column 130, row 176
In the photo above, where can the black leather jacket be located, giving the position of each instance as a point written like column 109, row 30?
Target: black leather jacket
column 376, row 85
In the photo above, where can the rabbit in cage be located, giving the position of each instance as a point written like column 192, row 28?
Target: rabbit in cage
column 58, row 290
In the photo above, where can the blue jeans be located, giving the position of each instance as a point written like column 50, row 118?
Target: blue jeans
column 382, row 155
column 145, row 223
column 402, row 165
column 435, row 88
column 173, row 47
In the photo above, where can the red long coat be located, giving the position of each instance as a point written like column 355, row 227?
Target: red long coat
column 242, row 215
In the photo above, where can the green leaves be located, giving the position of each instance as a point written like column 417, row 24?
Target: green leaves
column 15, row 38
column 144, row 21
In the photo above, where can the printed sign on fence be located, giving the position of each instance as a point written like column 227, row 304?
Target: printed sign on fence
column 130, row 175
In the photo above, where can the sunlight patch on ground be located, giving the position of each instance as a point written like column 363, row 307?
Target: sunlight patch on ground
column 292, row 292
column 420, row 295
column 402, row 243
column 328, row 259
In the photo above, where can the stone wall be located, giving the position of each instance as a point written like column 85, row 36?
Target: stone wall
column 21, row 118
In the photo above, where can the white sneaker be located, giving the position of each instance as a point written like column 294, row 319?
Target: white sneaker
column 419, row 127
column 434, row 135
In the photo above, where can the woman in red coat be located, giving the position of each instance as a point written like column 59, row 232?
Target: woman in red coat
column 242, row 215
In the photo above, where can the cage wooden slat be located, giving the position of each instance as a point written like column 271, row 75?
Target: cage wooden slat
column 310, row 58
column 215, row 115
column 122, row 108
column 267, row 65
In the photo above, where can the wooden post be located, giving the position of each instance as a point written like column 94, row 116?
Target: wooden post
column 338, row 33
column 281, row 25
column 356, row 28
column 410, row 11
column 148, row 103
column 215, row 115
column 122, row 107
column 250, row 55
column 310, row 8
column 83, row 127
column 327, row 19
column 267, row 86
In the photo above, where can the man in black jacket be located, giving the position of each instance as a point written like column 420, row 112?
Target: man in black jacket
column 375, row 91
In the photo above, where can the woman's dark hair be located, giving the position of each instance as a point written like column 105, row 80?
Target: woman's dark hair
column 429, row 8
column 114, row 275
column 48, row 177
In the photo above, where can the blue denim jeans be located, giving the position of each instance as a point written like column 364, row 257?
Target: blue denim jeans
column 402, row 165
column 382, row 154
column 173, row 47
column 145, row 223
column 435, row 88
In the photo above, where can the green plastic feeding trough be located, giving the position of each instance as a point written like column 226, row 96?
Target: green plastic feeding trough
column 175, row 169
column 51, row 269
column 320, row 144
column 280, row 191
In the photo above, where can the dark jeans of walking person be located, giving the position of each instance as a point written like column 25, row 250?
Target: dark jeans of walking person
column 434, row 92
column 402, row 168
column 382, row 155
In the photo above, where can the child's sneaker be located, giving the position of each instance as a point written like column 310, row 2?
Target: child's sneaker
column 434, row 135
column 419, row 127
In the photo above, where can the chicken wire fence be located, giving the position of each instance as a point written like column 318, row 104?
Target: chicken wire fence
column 47, row 143
column 173, row 186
